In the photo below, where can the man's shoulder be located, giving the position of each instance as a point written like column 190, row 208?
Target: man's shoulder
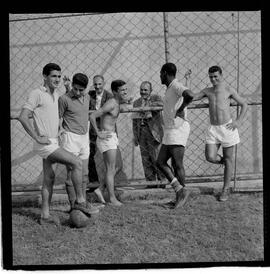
column 108, row 94
column 137, row 101
column 64, row 97
column 38, row 90
column 178, row 85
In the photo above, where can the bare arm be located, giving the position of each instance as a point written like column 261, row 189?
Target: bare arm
column 106, row 108
column 242, row 102
column 188, row 97
column 199, row 95
column 24, row 118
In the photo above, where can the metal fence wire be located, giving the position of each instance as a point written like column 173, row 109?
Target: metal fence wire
column 133, row 47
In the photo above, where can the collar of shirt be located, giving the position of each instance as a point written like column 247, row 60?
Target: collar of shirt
column 80, row 99
column 44, row 89
column 172, row 82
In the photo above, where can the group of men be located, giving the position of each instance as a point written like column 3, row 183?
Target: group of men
column 166, row 134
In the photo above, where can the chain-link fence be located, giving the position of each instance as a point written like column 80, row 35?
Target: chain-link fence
column 133, row 47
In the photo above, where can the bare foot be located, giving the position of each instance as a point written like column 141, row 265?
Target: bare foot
column 99, row 195
column 115, row 202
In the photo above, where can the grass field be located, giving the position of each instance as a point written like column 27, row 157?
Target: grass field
column 143, row 231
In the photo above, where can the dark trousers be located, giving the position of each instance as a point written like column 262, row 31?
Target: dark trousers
column 92, row 170
column 149, row 151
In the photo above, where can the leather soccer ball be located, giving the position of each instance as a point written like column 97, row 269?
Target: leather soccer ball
column 78, row 218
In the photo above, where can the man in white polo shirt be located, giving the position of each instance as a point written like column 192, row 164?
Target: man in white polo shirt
column 176, row 131
column 42, row 105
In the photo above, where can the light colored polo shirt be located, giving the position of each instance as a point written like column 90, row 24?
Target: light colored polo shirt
column 172, row 101
column 74, row 112
column 45, row 111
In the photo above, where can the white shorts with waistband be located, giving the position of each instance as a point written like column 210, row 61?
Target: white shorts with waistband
column 45, row 150
column 177, row 136
column 76, row 144
column 107, row 144
column 221, row 135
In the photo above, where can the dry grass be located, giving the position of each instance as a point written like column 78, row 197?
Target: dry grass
column 139, row 232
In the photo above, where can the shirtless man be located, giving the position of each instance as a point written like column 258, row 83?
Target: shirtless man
column 107, row 141
column 223, row 129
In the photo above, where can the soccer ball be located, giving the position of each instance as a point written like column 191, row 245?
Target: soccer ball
column 78, row 218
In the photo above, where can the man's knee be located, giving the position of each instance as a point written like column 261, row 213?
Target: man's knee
column 76, row 163
column 210, row 157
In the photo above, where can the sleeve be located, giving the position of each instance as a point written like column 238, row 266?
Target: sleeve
column 33, row 100
column 61, row 106
column 180, row 88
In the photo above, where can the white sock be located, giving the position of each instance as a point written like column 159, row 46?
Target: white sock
column 175, row 184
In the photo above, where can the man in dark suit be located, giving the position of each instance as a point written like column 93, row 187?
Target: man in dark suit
column 148, row 131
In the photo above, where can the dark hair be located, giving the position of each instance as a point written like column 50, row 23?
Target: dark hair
column 99, row 76
column 80, row 79
column 50, row 67
column 116, row 84
column 149, row 83
column 170, row 68
column 215, row 69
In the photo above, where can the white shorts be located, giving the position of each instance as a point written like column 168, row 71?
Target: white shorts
column 221, row 135
column 177, row 136
column 45, row 150
column 76, row 144
column 107, row 144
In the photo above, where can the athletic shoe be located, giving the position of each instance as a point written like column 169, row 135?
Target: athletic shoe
column 86, row 208
column 224, row 196
column 181, row 197
column 50, row 220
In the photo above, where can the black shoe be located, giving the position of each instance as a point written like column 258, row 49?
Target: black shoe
column 181, row 197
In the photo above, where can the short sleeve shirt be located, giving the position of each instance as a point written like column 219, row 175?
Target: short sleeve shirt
column 74, row 112
column 172, row 101
column 44, row 106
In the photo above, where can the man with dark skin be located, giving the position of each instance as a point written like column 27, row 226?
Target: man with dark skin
column 176, row 132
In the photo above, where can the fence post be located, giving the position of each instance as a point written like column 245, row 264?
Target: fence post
column 166, row 33
column 237, row 89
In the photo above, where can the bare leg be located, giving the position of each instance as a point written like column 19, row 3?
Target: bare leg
column 211, row 154
column 228, row 162
column 163, row 157
column 64, row 157
column 84, row 176
column 47, row 188
column 70, row 188
column 109, row 160
column 177, row 160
